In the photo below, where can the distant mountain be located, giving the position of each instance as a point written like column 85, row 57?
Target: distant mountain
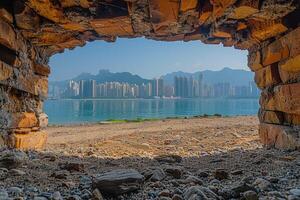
column 235, row 77
column 107, row 76
column 104, row 76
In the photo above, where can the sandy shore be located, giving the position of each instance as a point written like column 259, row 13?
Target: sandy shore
column 184, row 137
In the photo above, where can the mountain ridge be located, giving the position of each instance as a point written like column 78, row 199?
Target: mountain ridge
column 241, row 77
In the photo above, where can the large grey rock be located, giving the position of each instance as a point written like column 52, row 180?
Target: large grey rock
column 199, row 193
column 12, row 159
column 118, row 182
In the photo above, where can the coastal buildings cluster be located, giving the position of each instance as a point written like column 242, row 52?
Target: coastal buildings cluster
column 90, row 89
column 183, row 87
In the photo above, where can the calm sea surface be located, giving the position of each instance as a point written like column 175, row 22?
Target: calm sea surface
column 79, row 111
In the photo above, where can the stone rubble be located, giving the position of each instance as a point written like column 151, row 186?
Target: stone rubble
column 130, row 178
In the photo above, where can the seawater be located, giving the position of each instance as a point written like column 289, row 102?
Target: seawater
column 70, row 111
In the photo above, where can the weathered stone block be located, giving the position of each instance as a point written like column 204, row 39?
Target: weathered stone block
column 6, row 71
column 7, row 35
column 205, row 12
column 23, row 120
column 25, row 17
column 274, row 53
column 244, row 9
column 267, row 76
column 284, row 98
column 265, row 30
column 41, row 69
column 5, row 15
column 186, row 5
column 283, row 137
column 286, row 46
column 32, row 140
column 289, row 69
column 254, row 61
column 271, row 117
column 118, row 26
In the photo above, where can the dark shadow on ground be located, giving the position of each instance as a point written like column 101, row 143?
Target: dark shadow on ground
column 281, row 168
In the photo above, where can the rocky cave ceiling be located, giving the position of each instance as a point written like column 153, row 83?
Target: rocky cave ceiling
column 54, row 25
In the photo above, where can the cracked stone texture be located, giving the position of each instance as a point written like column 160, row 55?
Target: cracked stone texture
column 33, row 30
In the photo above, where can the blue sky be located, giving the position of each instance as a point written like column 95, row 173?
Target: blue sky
column 146, row 58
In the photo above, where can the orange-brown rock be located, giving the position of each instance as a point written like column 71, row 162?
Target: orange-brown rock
column 271, row 117
column 283, row 48
column 289, row 69
column 254, row 61
column 283, row 137
column 7, row 35
column 48, row 9
column 5, row 15
column 284, row 98
column 186, row 5
column 41, row 69
column 277, row 117
column 32, row 140
column 267, row 76
column 119, row 26
column 6, row 71
column 244, row 9
column 23, row 120
column 267, row 29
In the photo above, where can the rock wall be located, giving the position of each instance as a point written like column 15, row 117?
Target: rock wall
column 23, row 88
column 33, row 30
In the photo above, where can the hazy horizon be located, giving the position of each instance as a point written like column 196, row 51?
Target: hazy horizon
column 156, row 58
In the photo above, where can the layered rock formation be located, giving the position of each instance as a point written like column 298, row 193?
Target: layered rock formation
column 33, row 30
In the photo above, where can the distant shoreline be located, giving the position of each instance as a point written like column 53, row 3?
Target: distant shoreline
column 204, row 98
column 139, row 120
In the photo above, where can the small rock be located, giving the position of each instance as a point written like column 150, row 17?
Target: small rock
column 165, row 193
column 241, row 188
column 193, row 179
column 12, row 159
column 177, row 197
column 40, row 198
column 176, row 172
column 169, row 158
column 158, row 175
column 237, row 172
column 3, row 194
column 164, row 198
column 250, row 195
column 214, row 182
column 57, row 196
column 96, row 195
column 202, row 174
column 72, row 166
column 295, row 192
column 16, row 172
column 62, row 174
column 275, row 194
column 74, row 197
column 221, row 174
column 199, row 192
column 118, row 182
column 293, row 197
column 14, row 191
column 262, row 184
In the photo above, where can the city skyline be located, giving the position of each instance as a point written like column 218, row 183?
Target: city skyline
column 183, row 87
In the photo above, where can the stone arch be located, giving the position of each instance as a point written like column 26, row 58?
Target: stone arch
column 33, row 30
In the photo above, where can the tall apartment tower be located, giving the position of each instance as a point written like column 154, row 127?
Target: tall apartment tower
column 200, row 83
